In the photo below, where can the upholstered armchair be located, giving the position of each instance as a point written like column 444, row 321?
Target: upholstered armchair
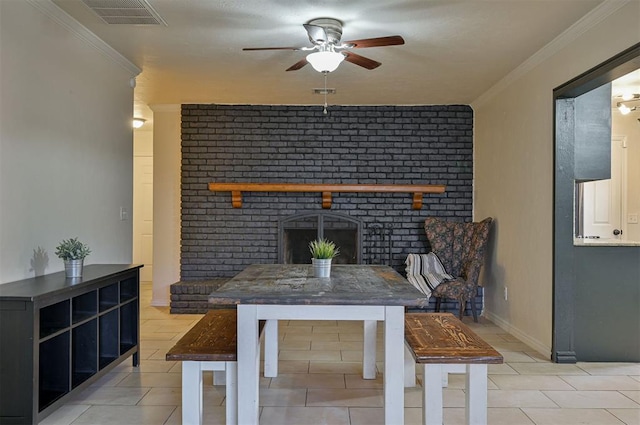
column 460, row 247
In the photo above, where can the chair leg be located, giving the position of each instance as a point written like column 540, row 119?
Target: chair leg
column 462, row 304
column 473, row 310
column 438, row 302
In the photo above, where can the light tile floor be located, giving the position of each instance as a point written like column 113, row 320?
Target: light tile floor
column 320, row 383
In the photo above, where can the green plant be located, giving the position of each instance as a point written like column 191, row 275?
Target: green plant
column 72, row 249
column 323, row 249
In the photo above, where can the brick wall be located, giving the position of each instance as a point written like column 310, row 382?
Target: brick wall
column 298, row 144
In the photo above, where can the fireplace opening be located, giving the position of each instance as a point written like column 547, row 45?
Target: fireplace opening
column 295, row 233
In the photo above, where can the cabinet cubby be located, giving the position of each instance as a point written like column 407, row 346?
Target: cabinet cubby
column 54, row 318
column 84, row 306
column 58, row 336
column 108, row 297
column 128, row 334
column 108, row 344
column 128, row 290
column 84, row 357
column 54, row 369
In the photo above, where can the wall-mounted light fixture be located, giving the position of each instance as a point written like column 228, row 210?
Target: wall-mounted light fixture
column 623, row 107
column 138, row 122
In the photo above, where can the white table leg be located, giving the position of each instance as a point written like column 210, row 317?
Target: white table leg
column 271, row 349
column 370, row 328
column 409, row 368
column 394, row 365
column 476, row 394
column 432, row 394
column 231, row 390
column 191, row 393
column 248, row 364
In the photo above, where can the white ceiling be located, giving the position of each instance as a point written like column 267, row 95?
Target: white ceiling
column 455, row 49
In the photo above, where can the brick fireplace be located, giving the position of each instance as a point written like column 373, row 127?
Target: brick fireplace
column 298, row 144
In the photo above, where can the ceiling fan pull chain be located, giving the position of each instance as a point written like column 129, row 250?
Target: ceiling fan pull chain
column 325, row 93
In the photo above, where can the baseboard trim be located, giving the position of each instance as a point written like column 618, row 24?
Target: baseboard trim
column 159, row 303
column 566, row 357
column 522, row 336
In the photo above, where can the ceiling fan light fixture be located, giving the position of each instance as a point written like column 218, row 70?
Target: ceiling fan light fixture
column 630, row 96
column 325, row 61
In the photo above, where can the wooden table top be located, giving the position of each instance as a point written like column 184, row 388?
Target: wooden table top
column 294, row 284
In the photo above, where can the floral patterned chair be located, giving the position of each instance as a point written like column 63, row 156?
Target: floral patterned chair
column 460, row 247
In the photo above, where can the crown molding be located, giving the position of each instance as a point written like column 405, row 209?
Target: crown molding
column 166, row 107
column 83, row 33
column 591, row 19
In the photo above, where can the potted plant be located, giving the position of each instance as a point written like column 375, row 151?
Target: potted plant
column 72, row 252
column 322, row 252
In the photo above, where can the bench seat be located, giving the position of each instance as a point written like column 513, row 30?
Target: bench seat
column 439, row 339
column 210, row 345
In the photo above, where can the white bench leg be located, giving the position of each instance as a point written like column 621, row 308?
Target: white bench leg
column 370, row 328
column 476, row 394
column 231, row 372
column 409, row 368
column 432, row 394
column 191, row 393
column 271, row 349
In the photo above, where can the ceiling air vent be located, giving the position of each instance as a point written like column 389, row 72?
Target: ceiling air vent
column 324, row 91
column 125, row 12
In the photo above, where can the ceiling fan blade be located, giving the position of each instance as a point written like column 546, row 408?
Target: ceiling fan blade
column 316, row 33
column 392, row 40
column 272, row 48
column 361, row 60
column 296, row 66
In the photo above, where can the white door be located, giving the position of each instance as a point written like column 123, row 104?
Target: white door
column 143, row 215
column 603, row 199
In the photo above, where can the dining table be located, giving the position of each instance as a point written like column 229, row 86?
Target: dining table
column 272, row 292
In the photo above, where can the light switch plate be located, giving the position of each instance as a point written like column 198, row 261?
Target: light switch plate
column 632, row 218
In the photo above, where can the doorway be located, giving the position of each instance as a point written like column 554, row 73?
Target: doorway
column 143, row 202
column 590, row 280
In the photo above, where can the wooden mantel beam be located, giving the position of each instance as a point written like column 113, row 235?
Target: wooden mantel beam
column 236, row 190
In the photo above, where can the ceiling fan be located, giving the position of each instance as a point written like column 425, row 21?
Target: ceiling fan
column 329, row 51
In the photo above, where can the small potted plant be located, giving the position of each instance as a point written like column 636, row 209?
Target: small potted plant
column 72, row 252
column 322, row 252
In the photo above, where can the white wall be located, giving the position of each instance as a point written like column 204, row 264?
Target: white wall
column 65, row 144
column 167, row 158
column 514, row 169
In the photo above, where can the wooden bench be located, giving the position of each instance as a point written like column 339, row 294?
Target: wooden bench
column 210, row 345
column 439, row 339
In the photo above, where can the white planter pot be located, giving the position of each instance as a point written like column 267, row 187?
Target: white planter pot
column 73, row 268
column 321, row 267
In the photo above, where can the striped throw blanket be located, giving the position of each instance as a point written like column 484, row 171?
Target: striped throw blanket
column 425, row 272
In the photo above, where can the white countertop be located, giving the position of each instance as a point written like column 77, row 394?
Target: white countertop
column 604, row 242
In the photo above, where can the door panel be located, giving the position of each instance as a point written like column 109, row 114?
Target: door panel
column 603, row 199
